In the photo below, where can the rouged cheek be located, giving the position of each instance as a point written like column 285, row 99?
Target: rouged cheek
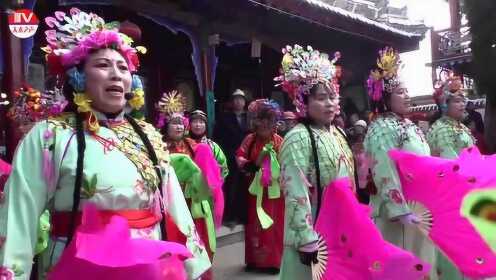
column 127, row 83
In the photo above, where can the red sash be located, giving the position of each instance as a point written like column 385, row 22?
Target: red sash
column 137, row 219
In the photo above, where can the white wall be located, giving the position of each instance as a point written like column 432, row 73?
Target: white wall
column 415, row 73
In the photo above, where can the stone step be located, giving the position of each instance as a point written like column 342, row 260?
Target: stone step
column 227, row 236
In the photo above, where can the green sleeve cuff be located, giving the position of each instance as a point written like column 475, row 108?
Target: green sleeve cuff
column 394, row 210
column 307, row 236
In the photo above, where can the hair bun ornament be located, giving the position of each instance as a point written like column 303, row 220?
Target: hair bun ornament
column 383, row 78
column 446, row 87
column 136, row 98
column 265, row 109
column 72, row 37
column 454, row 84
column 390, row 63
column 261, row 104
column 171, row 105
column 301, row 69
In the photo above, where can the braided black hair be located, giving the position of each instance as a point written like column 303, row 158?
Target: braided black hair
column 68, row 92
column 153, row 156
column 81, row 146
column 81, row 142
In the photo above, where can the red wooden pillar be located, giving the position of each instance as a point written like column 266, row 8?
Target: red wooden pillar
column 456, row 20
column 435, row 53
column 13, row 76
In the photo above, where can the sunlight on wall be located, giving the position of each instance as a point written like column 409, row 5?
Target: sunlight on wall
column 416, row 74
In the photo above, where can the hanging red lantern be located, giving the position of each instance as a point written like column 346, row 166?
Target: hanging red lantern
column 131, row 29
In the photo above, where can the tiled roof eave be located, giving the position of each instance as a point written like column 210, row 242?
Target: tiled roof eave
column 359, row 18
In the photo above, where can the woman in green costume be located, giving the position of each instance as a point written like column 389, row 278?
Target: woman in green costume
column 392, row 130
column 197, row 170
column 317, row 102
column 447, row 137
column 198, row 132
column 96, row 152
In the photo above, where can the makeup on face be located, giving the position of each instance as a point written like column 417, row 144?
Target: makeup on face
column 456, row 106
column 175, row 129
column 198, row 127
column 108, row 79
column 323, row 105
column 400, row 101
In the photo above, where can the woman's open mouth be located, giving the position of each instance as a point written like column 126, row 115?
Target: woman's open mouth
column 115, row 90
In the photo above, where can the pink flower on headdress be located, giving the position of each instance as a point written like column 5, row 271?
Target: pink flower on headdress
column 163, row 120
column 98, row 40
column 290, row 88
column 171, row 105
column 58, row 108
column 385, row 78
column 186, row 123
column 301, row 108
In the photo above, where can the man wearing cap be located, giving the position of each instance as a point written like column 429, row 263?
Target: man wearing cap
column 358, row 132
column 359, row 129
column 230, row 131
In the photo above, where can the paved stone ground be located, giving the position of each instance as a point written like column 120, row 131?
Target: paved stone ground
column 229, row 264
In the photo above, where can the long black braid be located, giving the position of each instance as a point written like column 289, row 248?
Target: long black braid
column 153, row 156
column 81, row 146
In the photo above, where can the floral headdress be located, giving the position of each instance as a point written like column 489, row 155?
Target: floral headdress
column 72, row 38
column 301, row 70
column 172, row 105
column 76, row 35
column 264, row 109
column 384, row 78
column 30, row 105
column 446, row 87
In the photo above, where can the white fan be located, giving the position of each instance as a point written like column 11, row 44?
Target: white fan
column 319, row 268
column 425, row 216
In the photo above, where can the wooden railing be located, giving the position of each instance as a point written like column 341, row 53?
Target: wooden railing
column 449, row 42
column 479, row 103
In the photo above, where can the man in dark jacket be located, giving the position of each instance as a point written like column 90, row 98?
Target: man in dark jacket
column 230, row 130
